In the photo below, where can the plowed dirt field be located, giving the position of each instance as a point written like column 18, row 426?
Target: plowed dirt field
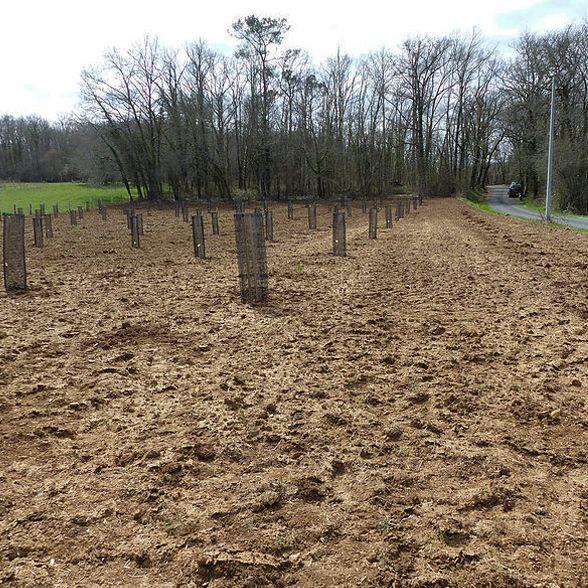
column 414, row 414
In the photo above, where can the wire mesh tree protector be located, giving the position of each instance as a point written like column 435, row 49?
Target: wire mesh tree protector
column 364, row 206
column 251, row 256
column 135, row 235
column 13, row 252
column 185, row 212
column 290, row 210
column 373, row 222
column 214, row 219
column 140, row 223
column 80, row 212
column 388, row 211
column 38, row 231
column 312, row 216
column 73, row 218
column 48, row 226
column 269, row 225
column 56, row 210
column 198, row 235
column 339, row 235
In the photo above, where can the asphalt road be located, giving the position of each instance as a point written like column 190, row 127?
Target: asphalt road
column 499, row 201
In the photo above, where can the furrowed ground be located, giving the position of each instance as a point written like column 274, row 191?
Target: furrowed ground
column 411, row 415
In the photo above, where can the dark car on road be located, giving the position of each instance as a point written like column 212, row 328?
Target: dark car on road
column 515, row 190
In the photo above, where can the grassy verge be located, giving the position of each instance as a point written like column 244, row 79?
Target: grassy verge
column 479, row 205
column 535, row 206
column 477, row 200
column 552, row 225
column 538, row 206
column 482, row 205
column 64, row 194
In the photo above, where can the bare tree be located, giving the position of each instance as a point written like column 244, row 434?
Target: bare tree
column 438, row 116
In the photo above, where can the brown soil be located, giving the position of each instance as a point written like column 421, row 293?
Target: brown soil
column 411, row 415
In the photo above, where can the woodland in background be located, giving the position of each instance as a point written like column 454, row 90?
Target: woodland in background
column 438, row 116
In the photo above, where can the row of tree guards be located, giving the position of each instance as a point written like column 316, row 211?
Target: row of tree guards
column 252, row 231
column 41, row 210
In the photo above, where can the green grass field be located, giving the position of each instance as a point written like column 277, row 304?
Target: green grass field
column 64, row 194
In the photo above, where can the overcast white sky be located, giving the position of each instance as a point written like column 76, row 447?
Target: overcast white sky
column 45, row 44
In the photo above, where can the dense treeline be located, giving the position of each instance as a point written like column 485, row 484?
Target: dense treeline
column 32, row 150
column 268, row 121
column 437, row 116
column 527, row 88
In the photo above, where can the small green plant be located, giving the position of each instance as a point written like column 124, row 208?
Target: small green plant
column 386, row 526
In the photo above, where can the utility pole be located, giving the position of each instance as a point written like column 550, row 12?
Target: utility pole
column 548, row 195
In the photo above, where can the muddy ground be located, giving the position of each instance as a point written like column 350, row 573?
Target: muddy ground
column 411, row 415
